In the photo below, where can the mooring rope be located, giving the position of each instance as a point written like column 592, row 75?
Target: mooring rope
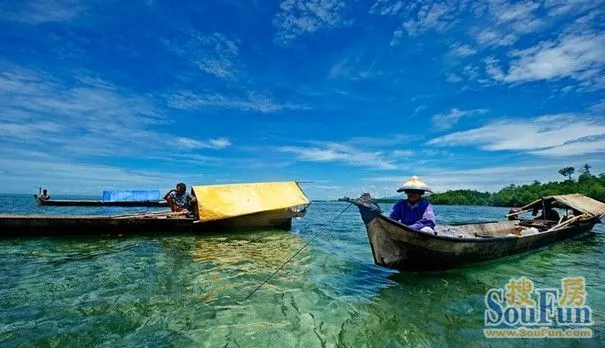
column 296, row 253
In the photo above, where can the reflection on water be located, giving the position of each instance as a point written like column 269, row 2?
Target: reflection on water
column 188, row 290
column 232, row 261
column 266, row 251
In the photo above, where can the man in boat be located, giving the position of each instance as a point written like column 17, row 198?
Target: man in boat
column 415, row 212
column 179, row 200
column 511, row 214
column 549, row 213
column 44, row 196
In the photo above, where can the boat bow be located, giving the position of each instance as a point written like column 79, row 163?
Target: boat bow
column 368, row 208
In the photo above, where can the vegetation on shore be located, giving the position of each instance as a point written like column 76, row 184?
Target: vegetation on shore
column 515, row 196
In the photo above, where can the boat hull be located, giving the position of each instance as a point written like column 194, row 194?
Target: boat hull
column 22, row 226
column 396, row 246
column 90, row 203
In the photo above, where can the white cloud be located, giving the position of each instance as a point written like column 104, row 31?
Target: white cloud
column 520, row 16
column 214, row 54
column 387, row 140
column 333, row 152
column 481, row 179
column 23, row 131
column 219, row 143
column 438, row 17
column 397, row 37
column 502, row 19
column 388, row 7
column 85, row 117
column 493, row 69
column 253, row 101
column 584, row 24
column 419, row 108
column 403, row 153
column 578, row 57
column 354, row 69
column 300, row 17
column 87, row 114
column 452, row 78
column 461, row 50
column 561, row 7
column 507, row 12
column 419, row 17
column 572, row 149
column 534, row 136
column 41, row 11
column 447, row 120
column 189, row 143
column 490, row 37
column 22, row 172
column 598, row 107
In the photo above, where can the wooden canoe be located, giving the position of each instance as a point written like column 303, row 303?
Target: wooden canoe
column 93, row 203
column 398, row 246
column 38, row 225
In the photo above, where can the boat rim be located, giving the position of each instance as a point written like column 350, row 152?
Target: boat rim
column 464, row 239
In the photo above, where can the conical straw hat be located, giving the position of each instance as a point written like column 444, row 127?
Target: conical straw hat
column 414, row 183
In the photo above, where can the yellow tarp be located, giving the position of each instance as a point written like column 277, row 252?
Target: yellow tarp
column 216, row 202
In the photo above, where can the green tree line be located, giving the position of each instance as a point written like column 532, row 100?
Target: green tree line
column 515, row 196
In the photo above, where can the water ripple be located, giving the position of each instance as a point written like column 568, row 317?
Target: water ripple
column 189, row 290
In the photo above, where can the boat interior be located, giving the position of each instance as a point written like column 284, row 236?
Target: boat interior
column 549, row 214
column 512, row 228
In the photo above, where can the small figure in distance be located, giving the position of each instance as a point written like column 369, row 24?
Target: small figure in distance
column 179, row 200
column 415, row 212
column 44, row 196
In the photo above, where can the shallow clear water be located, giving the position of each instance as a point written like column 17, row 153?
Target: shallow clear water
column 189, row 290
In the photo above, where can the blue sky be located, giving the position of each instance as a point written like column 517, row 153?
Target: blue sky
column 353, row 96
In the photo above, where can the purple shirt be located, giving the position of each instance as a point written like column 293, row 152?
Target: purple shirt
column 416, row 216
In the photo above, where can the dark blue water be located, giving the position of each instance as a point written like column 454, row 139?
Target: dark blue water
column 174, row 290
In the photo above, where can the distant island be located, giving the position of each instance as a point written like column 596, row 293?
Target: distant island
column 515, row 196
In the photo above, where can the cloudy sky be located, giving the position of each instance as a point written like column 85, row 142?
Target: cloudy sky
column 350, row 96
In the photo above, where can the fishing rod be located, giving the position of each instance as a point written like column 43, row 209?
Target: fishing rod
column 294, row 255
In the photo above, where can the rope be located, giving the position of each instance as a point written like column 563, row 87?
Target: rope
column 294, row 255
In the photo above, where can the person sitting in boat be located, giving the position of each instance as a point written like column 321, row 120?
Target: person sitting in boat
column 549, row 213
column 415, row 212
column 179, row 200
column 511, row 214
column 44, row 196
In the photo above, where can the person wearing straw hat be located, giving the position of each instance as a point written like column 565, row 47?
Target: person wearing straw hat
column 415, row 212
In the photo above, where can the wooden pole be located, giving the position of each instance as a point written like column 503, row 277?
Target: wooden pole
column 147, row 214
column 519, row 212
column 565, row 223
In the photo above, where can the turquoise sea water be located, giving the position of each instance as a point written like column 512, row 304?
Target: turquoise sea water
column 173, row 290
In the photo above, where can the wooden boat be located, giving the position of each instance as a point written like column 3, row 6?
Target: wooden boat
column 398, row 246
column 39, row 225
column 220, row 207
column 95, row 203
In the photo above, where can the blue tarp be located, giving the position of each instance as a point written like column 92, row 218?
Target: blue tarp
column 131, row 196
